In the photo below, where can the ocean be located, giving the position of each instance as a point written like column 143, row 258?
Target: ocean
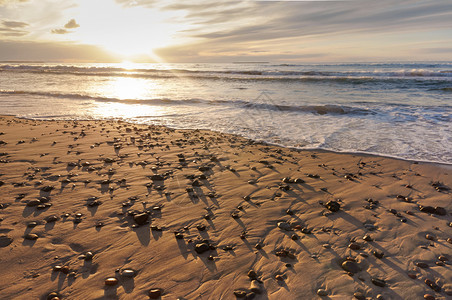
column 401, row 110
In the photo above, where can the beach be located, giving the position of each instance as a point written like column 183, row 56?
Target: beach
column 106, row 209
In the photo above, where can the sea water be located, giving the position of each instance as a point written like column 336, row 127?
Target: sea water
column 394, row 109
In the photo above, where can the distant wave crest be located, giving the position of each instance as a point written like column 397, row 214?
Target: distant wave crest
column 316, row 109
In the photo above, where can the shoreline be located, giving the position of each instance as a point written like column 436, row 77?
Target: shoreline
column 444, row 164
column 101, row 209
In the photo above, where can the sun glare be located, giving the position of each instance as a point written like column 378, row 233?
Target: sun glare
column 126, row 31
column 128, row 88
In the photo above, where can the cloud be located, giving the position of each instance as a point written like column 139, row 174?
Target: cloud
column 13, row 29
column 60, row 31
column 71, row 24
column 14, row 24
column 52, row 51
column 5, row 2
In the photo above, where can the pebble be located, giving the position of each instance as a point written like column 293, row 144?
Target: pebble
column 322, row 292
column 110, row 281
column 31, row 236
column 333, row 206
column 350, row 266
column 201, row 248
column 422, row 265
column 430, row 237
column 359, row 296
column 367, row 238
column 240, row 294
column 378, row 282
column 429, row 297
column 433, row 285
column 354, row 246
column 252, row 274
column 51, row 219
column 378, row 254
column 141, row 219
column 128, row 273
column 53, row 296
column 284, row 226
column 443, row 258
column 155, row 293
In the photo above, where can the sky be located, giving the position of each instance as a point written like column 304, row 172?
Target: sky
column 225, row 30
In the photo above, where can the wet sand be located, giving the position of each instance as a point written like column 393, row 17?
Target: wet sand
column 192, row 214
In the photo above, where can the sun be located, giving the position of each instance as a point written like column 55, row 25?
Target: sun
column 125, row 31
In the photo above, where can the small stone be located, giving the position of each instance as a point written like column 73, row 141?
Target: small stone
column 422, row 265
column 441, row 211
column 359, row 296
column 255, row 287
column 367, row 238
column 354, row 246
column 252, row 274
column 47, row 188
column 53, row 296
column 443, row 258
column 240, row 294
column 141, row 219
column 128, row 273
column 430, row 237
column 433, row 285
column 155, row 293
column 333, row 206
column 284, row 226
column 57, row 268
column 380, row 297
column 378, row 254
column 201, row 248
column 179, row 235
column 201, row 227
column 279, row 277
column 111, row 281
column 32, row 203
column 412, row 275
column 350, row 266
column 429, row 297
column 88, row 255
column 31, row 236
column 378, row 282
column 51, row 219
column 326, row 246
column 322, row 292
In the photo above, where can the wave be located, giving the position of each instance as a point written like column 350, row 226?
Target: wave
column 229, row 74
column 446, row 89
column 316, row 109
